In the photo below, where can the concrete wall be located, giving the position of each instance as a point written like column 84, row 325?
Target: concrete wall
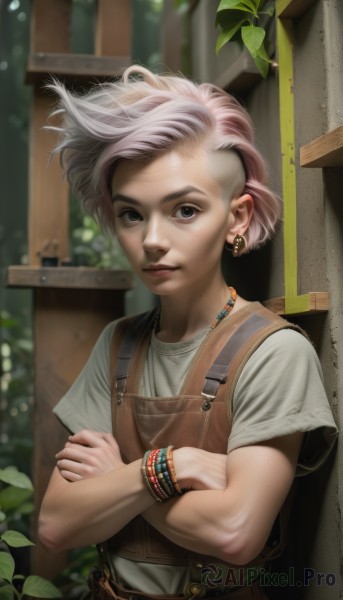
column 318, row 96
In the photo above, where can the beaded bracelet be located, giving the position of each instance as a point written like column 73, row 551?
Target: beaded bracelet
column 159, row 474
column 150, row 479
column 171, row 470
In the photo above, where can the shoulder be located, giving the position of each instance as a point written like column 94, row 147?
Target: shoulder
column 117, row 327
column 288, row 345
column 285, row 362
column 280, row 392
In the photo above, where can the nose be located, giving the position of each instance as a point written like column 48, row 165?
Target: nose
column 155, row 238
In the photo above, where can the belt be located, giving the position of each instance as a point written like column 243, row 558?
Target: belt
column 102, row 588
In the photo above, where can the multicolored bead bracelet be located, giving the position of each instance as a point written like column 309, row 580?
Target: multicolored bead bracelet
column 159, row 474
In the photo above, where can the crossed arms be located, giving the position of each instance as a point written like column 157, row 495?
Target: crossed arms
column 228, row 512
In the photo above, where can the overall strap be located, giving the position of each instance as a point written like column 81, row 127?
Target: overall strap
column 218, row 372
column 128, row 334
column 251, row 327
column 225, row 352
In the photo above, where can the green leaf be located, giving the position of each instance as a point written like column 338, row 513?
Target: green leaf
column 227, row 34
column 12, row 497
column 2, row 516
column 253, row 38
column 246, row 5
column 12, row 476
column 262, row 65
column 251, row 5
column 262, row 53
column 236, row 7
column 7, row 322
column 15, row 539
column 227, row 18
column 6, row 592
column 7, row 566
column 40, row 588
column 228, row 4
column 26, row 508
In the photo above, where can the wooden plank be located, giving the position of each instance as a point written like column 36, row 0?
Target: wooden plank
column 48, row 191
column 324, row 151
column 113, row 31
column 66, row 325
column 80, row 67
column 69, row 277
column 285, row 52
column 313, row 302
column 240, row 76
column 51, row 25
column 276, row 305
column 290, row 9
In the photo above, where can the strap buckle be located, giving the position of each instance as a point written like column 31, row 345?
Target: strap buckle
column 120, row 387
column 207, row 403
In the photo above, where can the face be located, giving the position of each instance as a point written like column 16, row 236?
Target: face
column 172, row 217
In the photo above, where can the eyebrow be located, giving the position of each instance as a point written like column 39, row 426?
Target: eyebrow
column 173, row 196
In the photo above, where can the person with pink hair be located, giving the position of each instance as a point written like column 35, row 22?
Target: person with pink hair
column 189, row 424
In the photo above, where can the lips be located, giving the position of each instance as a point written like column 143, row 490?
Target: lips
column 159, row 270
column 159, row 267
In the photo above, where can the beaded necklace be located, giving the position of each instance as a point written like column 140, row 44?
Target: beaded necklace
column 228, row 306
column 225, row 310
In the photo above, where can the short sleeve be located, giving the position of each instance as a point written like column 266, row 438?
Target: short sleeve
column 87, row 404
column 279, row 392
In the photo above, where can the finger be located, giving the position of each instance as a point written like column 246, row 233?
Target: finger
column 75, row 453
column 69, row 465
column 70, row 476
column 80, row 470
column 87, row 437
column 108, row 437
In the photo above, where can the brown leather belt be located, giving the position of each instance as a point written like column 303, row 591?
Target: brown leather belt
column 103, row 589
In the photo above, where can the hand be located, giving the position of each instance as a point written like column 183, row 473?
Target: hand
column 88, row 454
column 200, row 470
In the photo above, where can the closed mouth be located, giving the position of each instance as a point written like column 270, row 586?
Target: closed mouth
column 160, row 268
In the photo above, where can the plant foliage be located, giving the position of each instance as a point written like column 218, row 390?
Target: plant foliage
column 244, row 21
column 16, row 489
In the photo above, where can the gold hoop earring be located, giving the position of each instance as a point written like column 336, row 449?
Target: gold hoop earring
column 238, row 246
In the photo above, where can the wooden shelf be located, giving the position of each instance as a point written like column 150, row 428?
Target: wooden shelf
column 69, row 277
column 74, row 66
column 240, row 76
column 324, row 151
column 311, row 303
column 290, row 9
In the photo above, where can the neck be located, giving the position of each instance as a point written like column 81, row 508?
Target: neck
column 181, row 320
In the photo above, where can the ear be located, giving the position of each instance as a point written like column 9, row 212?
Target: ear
column 240, row 213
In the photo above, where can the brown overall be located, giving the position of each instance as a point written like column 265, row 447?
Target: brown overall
column 200, row 416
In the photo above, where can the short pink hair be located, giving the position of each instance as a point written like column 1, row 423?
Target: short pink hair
column 139, row 117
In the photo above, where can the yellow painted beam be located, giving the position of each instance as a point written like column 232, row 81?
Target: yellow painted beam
column 291, row 9
column 312, row 302
column 285, row 59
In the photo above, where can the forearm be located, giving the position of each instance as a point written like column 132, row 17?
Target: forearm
column 203, row 521
column 88, row 511
column 233, row 524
